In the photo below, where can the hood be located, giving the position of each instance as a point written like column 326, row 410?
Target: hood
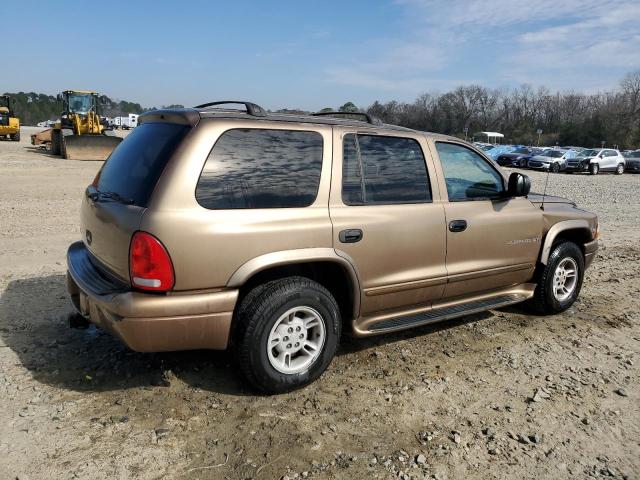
column 537, row 198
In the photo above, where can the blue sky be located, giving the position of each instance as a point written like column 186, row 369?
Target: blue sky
column 312, row 54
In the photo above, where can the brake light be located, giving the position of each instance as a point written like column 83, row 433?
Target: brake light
column 150, row 266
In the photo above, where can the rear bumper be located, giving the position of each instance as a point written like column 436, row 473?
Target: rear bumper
column 149, row 322
column 590, row 250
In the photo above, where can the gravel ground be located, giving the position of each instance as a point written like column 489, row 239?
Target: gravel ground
column 501, row 394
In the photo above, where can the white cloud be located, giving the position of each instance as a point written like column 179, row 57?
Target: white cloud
column 551, row 42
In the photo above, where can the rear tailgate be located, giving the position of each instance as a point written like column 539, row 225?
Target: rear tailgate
column 115, row 202
column 107, row 228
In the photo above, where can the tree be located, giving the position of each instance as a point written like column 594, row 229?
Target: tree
column 348, row 107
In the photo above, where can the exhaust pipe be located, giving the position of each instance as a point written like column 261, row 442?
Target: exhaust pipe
column 77, row 321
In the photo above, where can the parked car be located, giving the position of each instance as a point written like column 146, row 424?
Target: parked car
column 553, row 160
column 632, row 161
column 597, row 160
column 271, row 234
column 516, row 158
column 498, row 150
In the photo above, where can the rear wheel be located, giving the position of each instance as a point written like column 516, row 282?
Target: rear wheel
column 594, row 168
column 287, row 332
column 63, row 147
column 620, row 169
column 15, row 137
column 555, row 168
column 560, row 280
column 56, row 140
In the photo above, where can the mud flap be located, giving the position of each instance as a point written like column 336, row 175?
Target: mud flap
column 89, row 147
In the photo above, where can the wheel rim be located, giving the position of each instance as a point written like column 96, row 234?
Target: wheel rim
column 296, row 340
column 620, row 169
column 565, row 279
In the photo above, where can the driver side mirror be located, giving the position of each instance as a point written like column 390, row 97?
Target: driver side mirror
column 519, row 185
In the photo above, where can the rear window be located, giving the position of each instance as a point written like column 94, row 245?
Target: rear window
column 134, row 167
column 261, row 168
column 379, row 170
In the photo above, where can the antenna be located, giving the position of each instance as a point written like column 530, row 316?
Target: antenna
column 546, row 182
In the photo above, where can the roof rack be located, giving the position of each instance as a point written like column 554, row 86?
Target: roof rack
column 252, row 108
column 367, row 117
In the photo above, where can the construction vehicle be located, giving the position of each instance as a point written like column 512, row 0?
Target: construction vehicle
column 9, row 123
column 80, row 133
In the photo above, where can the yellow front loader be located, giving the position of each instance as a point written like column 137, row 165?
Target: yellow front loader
column 9, row 123
column 80, row 135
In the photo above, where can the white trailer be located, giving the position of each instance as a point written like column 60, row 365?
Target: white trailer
column 130, row 121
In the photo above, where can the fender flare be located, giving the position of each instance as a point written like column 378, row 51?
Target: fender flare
column 562, row 226
column 302, row 255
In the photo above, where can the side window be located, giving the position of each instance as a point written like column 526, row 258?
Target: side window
column 378, row 170
column 259, row 168
column 468, row 176
column 610, row 153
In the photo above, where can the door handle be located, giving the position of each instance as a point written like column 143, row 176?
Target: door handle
column 351, row 235
column 457, row 225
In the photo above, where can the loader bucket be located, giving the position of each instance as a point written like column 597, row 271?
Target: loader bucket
column 89, row 147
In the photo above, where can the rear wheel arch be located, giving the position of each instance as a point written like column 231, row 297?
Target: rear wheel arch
column 331, row 271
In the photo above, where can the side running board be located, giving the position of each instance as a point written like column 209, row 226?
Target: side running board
column 445, row 311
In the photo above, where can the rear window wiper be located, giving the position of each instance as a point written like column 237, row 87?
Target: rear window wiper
column 97, row 195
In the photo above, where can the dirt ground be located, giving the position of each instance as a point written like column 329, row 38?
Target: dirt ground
column 497, row 395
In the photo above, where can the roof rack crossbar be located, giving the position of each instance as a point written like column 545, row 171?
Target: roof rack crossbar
column 368, row 117
column 252, row 108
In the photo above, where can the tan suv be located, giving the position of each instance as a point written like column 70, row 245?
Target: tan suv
column 211, row 227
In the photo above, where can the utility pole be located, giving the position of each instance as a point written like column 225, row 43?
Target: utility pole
column 539, row 132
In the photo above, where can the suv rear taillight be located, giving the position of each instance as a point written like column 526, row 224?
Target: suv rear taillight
column 150, row 266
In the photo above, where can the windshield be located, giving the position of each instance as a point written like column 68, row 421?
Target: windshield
column 80, row 102
column 134, row 167
column 635, row 154
column 588, row 153
column 553, row 154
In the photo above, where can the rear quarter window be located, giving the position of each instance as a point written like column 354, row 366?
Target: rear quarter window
column 134, row 167
column 261, row 168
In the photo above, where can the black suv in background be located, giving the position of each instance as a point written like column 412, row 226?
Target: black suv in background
column 518, row 158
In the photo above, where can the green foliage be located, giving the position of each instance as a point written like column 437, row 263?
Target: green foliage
column 32, row 108
column 348, row 107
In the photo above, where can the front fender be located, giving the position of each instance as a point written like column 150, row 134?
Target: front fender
column 555, row 230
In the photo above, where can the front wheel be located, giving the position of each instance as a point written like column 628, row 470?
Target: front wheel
column 620, row 169
column 555, row 168
column 287, row 333
column 560, row 280
column 594, row 168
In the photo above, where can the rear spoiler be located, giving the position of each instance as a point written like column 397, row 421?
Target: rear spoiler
column 181, row 116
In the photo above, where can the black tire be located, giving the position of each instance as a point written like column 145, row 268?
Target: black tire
column 555, row 168
column 63, row 147
column 544, row 300
column 259, row 312
column 594, row 168
column 15, row 137
column 522, row 163
column 620, row 169
column 56, row 140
